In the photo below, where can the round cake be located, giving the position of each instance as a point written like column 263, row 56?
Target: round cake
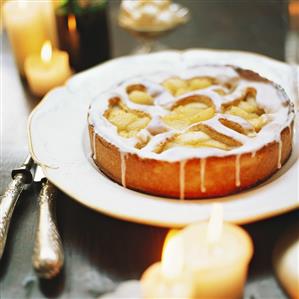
column 203, row 131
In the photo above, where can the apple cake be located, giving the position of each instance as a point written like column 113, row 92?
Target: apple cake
column 205, row 131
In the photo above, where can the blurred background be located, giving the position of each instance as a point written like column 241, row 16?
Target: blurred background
column 250, row 25
column 84, row 33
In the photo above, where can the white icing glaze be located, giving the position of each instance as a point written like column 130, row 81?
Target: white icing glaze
column 238, row 181
column 182, row 179
column 279, row 113
column 279, row 154
column 123, row 168
column 202, row 174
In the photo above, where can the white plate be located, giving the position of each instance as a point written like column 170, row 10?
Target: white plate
column 58, row 141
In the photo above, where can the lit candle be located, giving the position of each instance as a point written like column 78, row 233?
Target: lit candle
column 47, row 70
column 214, row 258
column 294, row 15
column 25, row 28
column 167, row 279
column 217, row 254
column 74, row 39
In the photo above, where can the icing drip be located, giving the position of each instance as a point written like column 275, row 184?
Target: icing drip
column 94, row 145
column 253, row 154
column 238, row 182
column 202, row 174
column 279, row 154
column 182, row 179
column 123, row 168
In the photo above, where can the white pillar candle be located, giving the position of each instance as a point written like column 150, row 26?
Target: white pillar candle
column 25, row 28
column 215, row 258
column 217, row 254
column 47, row 10
column 47, row 70
column 168, row 278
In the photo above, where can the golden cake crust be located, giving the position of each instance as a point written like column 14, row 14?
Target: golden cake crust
column 163, row 178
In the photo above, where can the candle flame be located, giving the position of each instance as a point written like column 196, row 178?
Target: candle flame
column 71, row 23
column 172, row 255
column 215, row 224
column 46, row 52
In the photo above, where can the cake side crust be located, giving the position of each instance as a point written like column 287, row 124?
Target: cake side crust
column 219, row 178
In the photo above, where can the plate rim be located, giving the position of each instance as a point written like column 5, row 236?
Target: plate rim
column 245, row 220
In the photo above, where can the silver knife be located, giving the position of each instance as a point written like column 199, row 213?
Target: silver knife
column 20, row 178
column 48, row 254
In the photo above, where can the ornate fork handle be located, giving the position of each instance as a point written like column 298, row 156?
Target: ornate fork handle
column 48, row 252
column 7, row 204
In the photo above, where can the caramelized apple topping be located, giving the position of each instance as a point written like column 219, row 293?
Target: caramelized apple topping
column 138, row 94
column 249, row 131
column 199, row 135
column 248, row 109
column 134, row 87
column 186, row 115
column 177, row 86
column 188, row 111
column 142, row 143
column 128, row 121
column 229, row 141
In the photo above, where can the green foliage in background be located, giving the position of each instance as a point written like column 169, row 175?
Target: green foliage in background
column 78, row 7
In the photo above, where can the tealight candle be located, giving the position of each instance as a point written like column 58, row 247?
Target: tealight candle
column 217, row 254
column 167, row 279
column 215, row 258
column 25, row 28
column 47, row 70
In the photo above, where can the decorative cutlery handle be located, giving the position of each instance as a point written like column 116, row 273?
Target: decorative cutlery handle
column 48, row 252
column 7, row 204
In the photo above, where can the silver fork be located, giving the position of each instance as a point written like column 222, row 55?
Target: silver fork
column 48, row 255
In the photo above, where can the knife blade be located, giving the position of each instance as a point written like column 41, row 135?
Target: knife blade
column 48, row 257
column 21, row 177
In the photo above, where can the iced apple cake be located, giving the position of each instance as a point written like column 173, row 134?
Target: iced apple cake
column 204, row 131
